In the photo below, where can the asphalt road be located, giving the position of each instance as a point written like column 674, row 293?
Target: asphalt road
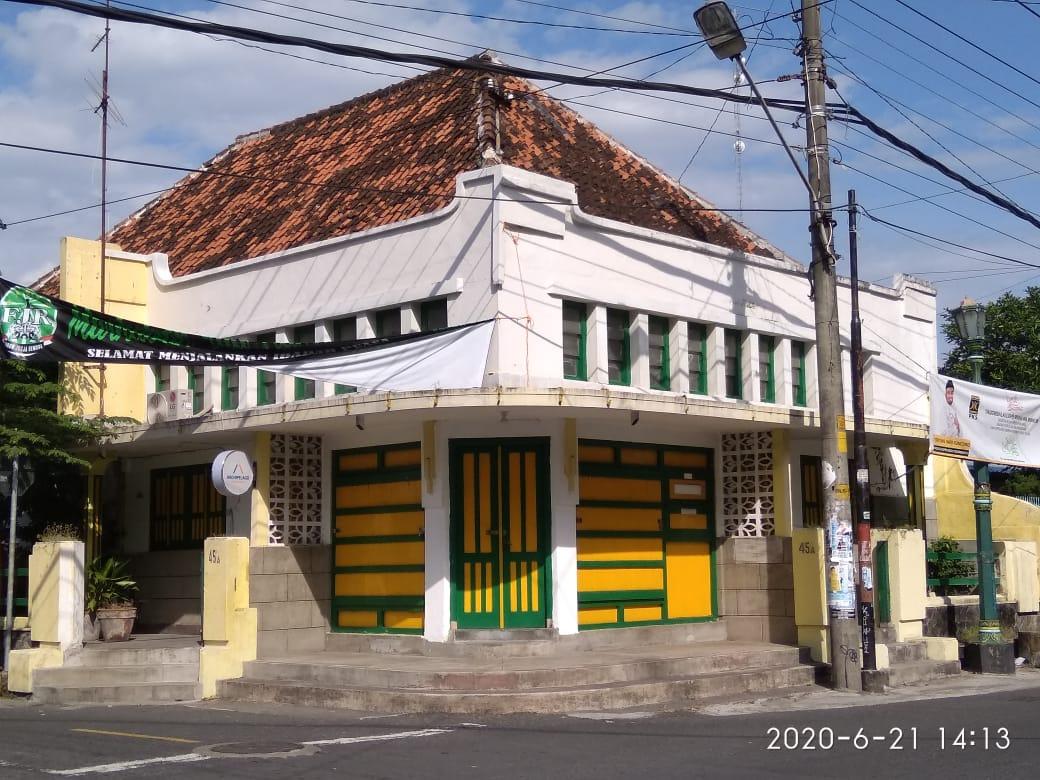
column 184, row 741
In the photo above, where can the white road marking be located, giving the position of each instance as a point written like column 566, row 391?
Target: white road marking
column 609, row 716
column 186, row 758
column 122, row 766
column 379, row 737
column 378, row 717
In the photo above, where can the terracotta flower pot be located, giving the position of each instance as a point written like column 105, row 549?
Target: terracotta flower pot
column 116, row 623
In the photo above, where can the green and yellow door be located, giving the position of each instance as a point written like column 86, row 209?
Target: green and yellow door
column 645, row 534
column 500, row 510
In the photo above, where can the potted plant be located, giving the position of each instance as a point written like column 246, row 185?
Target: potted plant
column 109, row 596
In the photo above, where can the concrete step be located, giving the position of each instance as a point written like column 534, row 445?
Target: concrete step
column 128, row 693
column 579, row 670
column 921, row 671
column 73, row 676
column 514, row 644
column 125, row 654
column 907, row 652
column 665, row 692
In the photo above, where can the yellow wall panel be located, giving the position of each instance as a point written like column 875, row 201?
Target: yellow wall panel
column 618, row 489
column 592, row 580
column 594, row 615
column 356, row 618
column 394, row 459
column 406, row 583
column 380, row 554
column 619, row 549
column 693, row 460
column 402, row 620
column 689, row 579
column 688, row 521
column 381, row 524
column 378, row 494
column 358, row 461
column 636, row 614
column 599, row 518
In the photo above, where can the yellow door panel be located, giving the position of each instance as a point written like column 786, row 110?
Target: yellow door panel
column 484, row 519
column 689, row 579
column 394, row 459
column 688, row 521
column 685, row 459
column 381, row 524
column 402, row 619
column 593, row 615
column 618, row 489
column 378, row 494
column 602, row 518
column 359, row 461
column 590, row 453
column 405, row 583
column 637, row 614
column 619, row 548
column 592, row 580
column 380, row 554
column 357, row 618
column 638, row 456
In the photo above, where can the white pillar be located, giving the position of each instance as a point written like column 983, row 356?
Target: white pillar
column 639, row 349
column 596, row 350
column 679, row 356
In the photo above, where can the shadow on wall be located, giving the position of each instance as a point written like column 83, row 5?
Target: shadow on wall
column 170, row 596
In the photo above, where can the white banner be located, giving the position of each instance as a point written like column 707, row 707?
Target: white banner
column 976, row 422
column 454, row 359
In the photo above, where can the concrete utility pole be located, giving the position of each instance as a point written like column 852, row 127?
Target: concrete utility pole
column 837, row 512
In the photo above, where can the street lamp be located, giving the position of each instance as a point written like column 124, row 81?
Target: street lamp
column 990, row 654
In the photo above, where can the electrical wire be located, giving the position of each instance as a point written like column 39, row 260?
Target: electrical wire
column 946, row 54
column 945, row 76
column 968, row 41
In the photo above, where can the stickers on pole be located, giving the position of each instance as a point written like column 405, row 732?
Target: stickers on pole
column 841, row 570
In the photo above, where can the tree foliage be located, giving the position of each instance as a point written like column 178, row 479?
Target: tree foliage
column 1012, row 345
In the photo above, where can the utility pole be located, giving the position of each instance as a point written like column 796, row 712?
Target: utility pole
column 103, row 109
column 865, row 600
column 840, row 561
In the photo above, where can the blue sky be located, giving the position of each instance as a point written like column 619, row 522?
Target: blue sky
column 181, row 98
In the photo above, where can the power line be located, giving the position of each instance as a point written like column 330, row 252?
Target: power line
column 603, row 16
column 896, row 104
column 1015, row 260
column 322, row 185
column 946, row 54
column 970, row 42
column 1031, row 10
column 261, row 36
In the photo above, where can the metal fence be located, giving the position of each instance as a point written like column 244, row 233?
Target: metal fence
column 21, row 592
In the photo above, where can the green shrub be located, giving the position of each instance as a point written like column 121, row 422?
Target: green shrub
column 108, row 585
column 59, row 532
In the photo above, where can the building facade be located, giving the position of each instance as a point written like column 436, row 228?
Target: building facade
column 649, row 394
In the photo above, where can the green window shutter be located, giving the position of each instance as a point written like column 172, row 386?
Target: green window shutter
column 433, row 315
column 388, row 323
column 798, row 372
column 619, row 347
column 697, row 351
column 344, row 329
column 766, row 368
column 660, row 362
column 197, row 385
column 575, row 340
column 229, row 388
column 266, row 392
column 304, row 388
column 734, row 364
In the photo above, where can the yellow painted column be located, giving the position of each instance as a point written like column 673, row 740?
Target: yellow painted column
column 783, row 522
column 229, row 624
column 260, row 508
column 810, row 592
column 126, row 296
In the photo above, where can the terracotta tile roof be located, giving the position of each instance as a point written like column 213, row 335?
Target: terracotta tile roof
column 394, row 154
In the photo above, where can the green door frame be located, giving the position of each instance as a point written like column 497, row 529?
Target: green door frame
column 500, row 559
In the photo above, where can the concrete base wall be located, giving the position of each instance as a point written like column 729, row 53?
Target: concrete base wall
column 290, row 588
column 756, row 588
column 170, row 596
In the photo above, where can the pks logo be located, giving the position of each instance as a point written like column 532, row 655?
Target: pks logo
column 27, row 321
column 973, row 407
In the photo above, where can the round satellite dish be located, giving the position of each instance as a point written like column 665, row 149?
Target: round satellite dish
column 232, row 473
